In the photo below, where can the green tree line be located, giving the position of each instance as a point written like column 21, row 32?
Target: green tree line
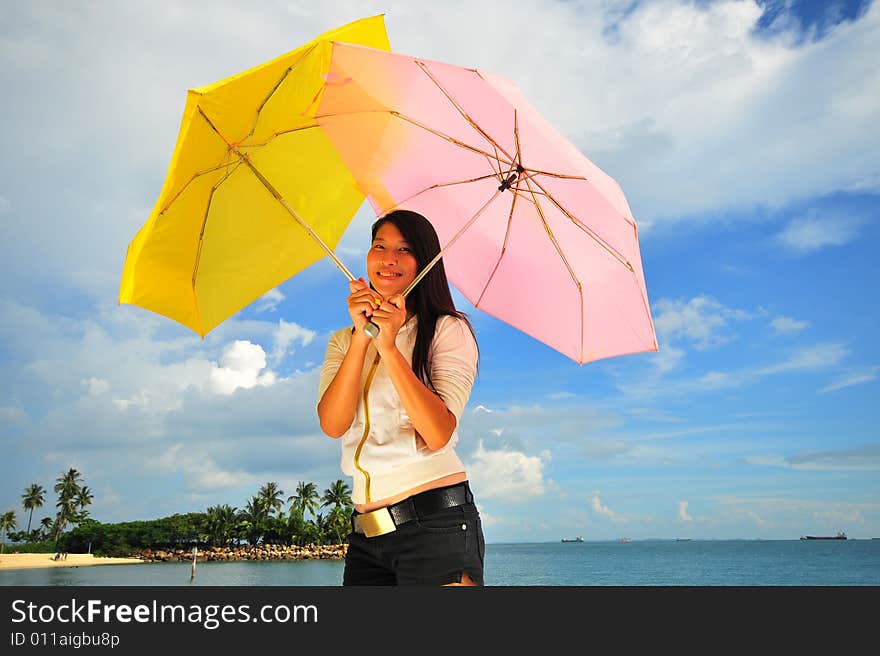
column 310, row 517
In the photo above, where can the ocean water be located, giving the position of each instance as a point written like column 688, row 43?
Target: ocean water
column 634, row 563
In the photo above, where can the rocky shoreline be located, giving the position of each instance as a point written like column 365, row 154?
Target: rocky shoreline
column 247, row 553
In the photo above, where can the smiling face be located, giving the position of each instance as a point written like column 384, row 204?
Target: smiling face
column 391, row 264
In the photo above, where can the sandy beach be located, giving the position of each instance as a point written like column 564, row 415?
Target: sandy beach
column 31, row 560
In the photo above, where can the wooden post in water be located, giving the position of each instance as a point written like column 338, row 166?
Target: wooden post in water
column 192, row 574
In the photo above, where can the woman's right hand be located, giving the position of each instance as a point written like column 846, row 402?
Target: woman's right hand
column 361, row 303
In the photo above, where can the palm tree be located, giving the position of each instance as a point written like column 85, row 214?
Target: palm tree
column 67, row 484
column 67, row 488
column 270, row 494
column 253, row 517
column 221, row 524
column 321, row 527
column 305, row 498
column 7, row 523
column 45, row 527
column 33, row 497
column 339, row 521
column 82, row 499
column 338, row 496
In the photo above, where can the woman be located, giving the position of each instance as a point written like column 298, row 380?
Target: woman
column 396, row 400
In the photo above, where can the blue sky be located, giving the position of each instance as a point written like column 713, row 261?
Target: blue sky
column 743, row 134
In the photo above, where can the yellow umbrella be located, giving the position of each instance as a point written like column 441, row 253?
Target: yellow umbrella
column 254, row 194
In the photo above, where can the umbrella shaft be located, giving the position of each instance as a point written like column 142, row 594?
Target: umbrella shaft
column 455, row 237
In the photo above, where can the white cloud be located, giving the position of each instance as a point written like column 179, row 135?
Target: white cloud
column 796, row 516
column 668, row 358
column 863, row 459
column 159, row 389
column 243, row 363
column 697, row 92
column 813, row 358
column 198, row 468
column 269, row 301
column 856, row 377
column 507, row 474
column 95, row 386
column 787, row 325
column 286, row 335
column 700, row 321
column 528, row 428
column 683, row 515
column 600, row 509
column 809, row 234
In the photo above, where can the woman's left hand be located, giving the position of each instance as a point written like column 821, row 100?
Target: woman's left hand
column 389, row 316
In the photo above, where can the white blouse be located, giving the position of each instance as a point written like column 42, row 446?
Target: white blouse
column 381, row 450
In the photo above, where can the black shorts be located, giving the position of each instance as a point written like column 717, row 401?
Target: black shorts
column 431, row 550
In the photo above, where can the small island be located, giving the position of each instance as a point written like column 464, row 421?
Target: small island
column 307, row 526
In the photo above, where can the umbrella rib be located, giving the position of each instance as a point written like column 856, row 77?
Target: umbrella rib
column 512, row 165
column 213, row 127
column 611, row 250
column 245, row 157
column 276, row 135
column 564, row 260
column 269, row 95
column 206, row 171
column 562, row 176
column 195, row 272
column 204, row 226
column 437, row 186
column 519, row 192
column 455, row 237
column 516, row 137
column 437, row 133
column 493, row 161
column 561, row 209
column 452, row 140
column 198, row 174
column 460, row 110
column 515, row 190
column 503, row 245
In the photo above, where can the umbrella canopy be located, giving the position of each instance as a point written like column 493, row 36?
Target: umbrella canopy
column 254, row 194
column 533, row 232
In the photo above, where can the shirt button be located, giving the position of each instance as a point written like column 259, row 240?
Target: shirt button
column 464, row 527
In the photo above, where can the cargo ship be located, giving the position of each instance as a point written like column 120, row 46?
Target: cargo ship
column 839, row 536
column 577, row 539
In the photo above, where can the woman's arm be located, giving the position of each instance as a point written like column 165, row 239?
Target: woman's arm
column 338, row 404
column 429, row 412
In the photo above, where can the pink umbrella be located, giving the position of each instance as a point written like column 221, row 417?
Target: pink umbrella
column 533, row 233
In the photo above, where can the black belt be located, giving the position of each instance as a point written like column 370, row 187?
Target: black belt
column 387, row 519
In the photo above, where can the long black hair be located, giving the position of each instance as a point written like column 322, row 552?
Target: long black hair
column 430, row 299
